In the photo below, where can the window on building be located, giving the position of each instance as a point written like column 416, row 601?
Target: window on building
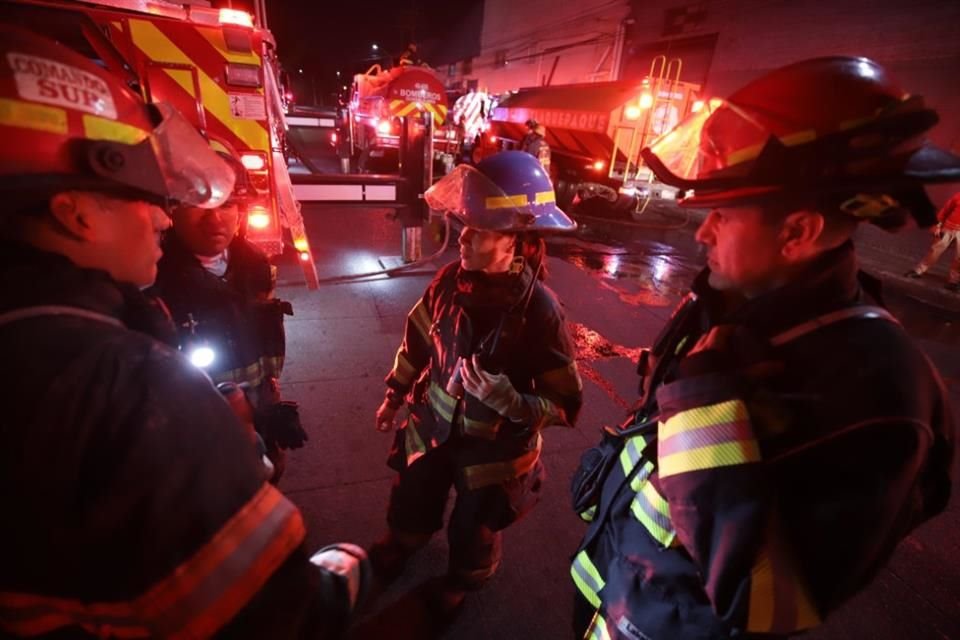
column 500, row 59
column 451, row 70
column 467, row 66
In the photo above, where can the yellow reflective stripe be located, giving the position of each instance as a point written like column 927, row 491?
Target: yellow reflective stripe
column 483, row 475
column 420, row 319
column 700, row 417
column 506, row 202
column 720, row 455
column 97, row 128
column 252, row 374
column 197, row 598
column 752, row 151
column 585, row 576
column 413, row 443
column 442, row 403
column 589, row 514
column 403, row 370
column 215, row 37
column 545, row 197
column 158, row 47
column 482, row 428
column 562, row 381
column 598, row 629
column 546, row 413
column 778, row 603
column 630, row 454
column 716, row 435
column 653, row 512
column 636, row 482
column 26, row 115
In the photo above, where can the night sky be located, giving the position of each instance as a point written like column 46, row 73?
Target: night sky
column 323, row 36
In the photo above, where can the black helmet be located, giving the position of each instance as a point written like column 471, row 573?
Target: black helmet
column 833, row 127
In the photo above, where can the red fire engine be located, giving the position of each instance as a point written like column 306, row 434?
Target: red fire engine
column 381, row 99
column 217, row 66
column 596, row 131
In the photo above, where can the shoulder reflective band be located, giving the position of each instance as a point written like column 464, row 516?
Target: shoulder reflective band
column 717, row 435
column 196, row 599
column 588, row 580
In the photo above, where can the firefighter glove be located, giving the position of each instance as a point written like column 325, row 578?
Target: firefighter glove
column 280, row 423
column 492, row 389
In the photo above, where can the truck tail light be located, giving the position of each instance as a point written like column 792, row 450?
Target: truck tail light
column 253, row 161
column 258, row 218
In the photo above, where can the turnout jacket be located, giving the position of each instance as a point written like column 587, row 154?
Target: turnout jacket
column 790, row 446
column 134, row 502
column 236, row 315
column 456, row 318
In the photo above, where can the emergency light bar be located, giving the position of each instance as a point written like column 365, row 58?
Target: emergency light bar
column 237, row 17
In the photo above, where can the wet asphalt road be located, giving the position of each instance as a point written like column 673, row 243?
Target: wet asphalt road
column 618, row 281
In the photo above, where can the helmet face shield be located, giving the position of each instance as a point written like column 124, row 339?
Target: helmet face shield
column 474, row 199
column 718, row 144
column 193, row 173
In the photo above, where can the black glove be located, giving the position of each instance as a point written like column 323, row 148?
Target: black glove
column 280, row 423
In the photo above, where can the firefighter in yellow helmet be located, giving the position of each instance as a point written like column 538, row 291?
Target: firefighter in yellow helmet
column 790, row 433
column 134, row 504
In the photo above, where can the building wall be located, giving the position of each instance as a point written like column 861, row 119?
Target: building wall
column 521, row 41
column 916, row 40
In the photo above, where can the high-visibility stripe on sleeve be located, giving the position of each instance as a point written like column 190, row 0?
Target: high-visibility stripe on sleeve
column 420, row 319
column 193, row 601
column 562, row 381
column 484, row 475
column 587, row 578
column 779, row 603
column 716, row 435
column 403, row 370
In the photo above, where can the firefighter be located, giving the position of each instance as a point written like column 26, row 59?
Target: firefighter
column 134, row 505
column 486, row 364
column 409, row 56
column 219, row 288
column 790, row 433
column 945, row 233
column 535, row 143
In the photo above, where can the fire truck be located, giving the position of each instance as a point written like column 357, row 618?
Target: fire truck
column 215, row 65
column 596, row 131
column 380, row 101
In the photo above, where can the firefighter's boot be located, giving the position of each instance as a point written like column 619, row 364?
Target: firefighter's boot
column 389, row 556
